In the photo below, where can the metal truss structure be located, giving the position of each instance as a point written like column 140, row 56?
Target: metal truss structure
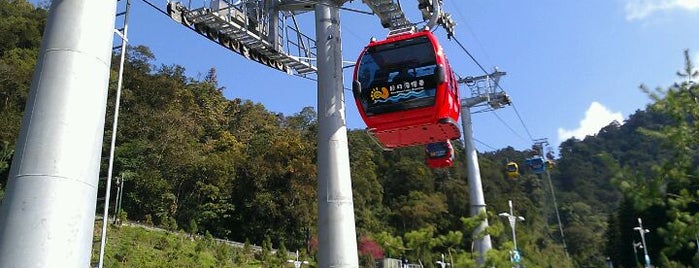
column 262, row 31
column 485, row 92
column 266, row 31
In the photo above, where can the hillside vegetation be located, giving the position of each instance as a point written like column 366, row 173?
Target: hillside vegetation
column 138, row 246
column 197, row 163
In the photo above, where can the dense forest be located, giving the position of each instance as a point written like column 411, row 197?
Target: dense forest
column 194, row 161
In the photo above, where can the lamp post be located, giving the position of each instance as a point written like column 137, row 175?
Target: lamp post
column 297, row 263
column 643, row 232
column 635, row 253
column 442, row 263
column 513, row 220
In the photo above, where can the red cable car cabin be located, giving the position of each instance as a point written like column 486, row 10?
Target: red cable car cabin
column 406, row 91
column 439, row 154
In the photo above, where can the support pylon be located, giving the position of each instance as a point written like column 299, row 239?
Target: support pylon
column 494, row 99
column 47, row 217
column 336, row 231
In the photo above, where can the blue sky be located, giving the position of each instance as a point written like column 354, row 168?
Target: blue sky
column 572, row 66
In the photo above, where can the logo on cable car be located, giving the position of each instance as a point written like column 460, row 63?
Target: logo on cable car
column 379, row 93
column 396, row 92
column 439, row 153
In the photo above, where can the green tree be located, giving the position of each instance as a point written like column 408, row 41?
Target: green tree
column 393, row 246
column 419, row 245
column 20, row 36
column 671, row 187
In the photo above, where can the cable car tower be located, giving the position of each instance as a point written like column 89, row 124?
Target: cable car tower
column 486, row 95
column 541, row 166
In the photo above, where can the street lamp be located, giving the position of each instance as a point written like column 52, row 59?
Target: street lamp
column 513, row 220
column 297, row 263
column 610, row 264
column 642, row 231
column 635, row 253
column 442, row 263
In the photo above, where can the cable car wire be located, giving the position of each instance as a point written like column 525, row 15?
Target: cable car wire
column 508, row 126
column 468, row 27
column 471, row 56
column 500, row 87
column 522, row 121
column 156, row 7
column 484, row 144
column 316, row 80
column 526, row 129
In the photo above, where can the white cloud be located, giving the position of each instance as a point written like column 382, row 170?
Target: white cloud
column 596, row 117
column 640, row 9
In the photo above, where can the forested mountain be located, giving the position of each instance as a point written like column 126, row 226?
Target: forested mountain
column 193, row 160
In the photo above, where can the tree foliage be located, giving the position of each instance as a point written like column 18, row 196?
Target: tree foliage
column 666, row 196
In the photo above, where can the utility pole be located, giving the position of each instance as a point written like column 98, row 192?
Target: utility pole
column 47, row 217
column 122, row 33
column 483, row 93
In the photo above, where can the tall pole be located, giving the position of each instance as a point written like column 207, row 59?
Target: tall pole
column 481, row 239
column 116, row 201
column 47, row 217
column 112, row 146
column 513, row 222
column 336, row 233
column 120, row 199
column 643, row 232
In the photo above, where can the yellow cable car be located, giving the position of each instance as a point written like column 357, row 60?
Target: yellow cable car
column 512, row 170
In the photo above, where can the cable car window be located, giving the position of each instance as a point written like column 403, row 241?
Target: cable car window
column 511, row 168
column 397, row 76
column 437, row 150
